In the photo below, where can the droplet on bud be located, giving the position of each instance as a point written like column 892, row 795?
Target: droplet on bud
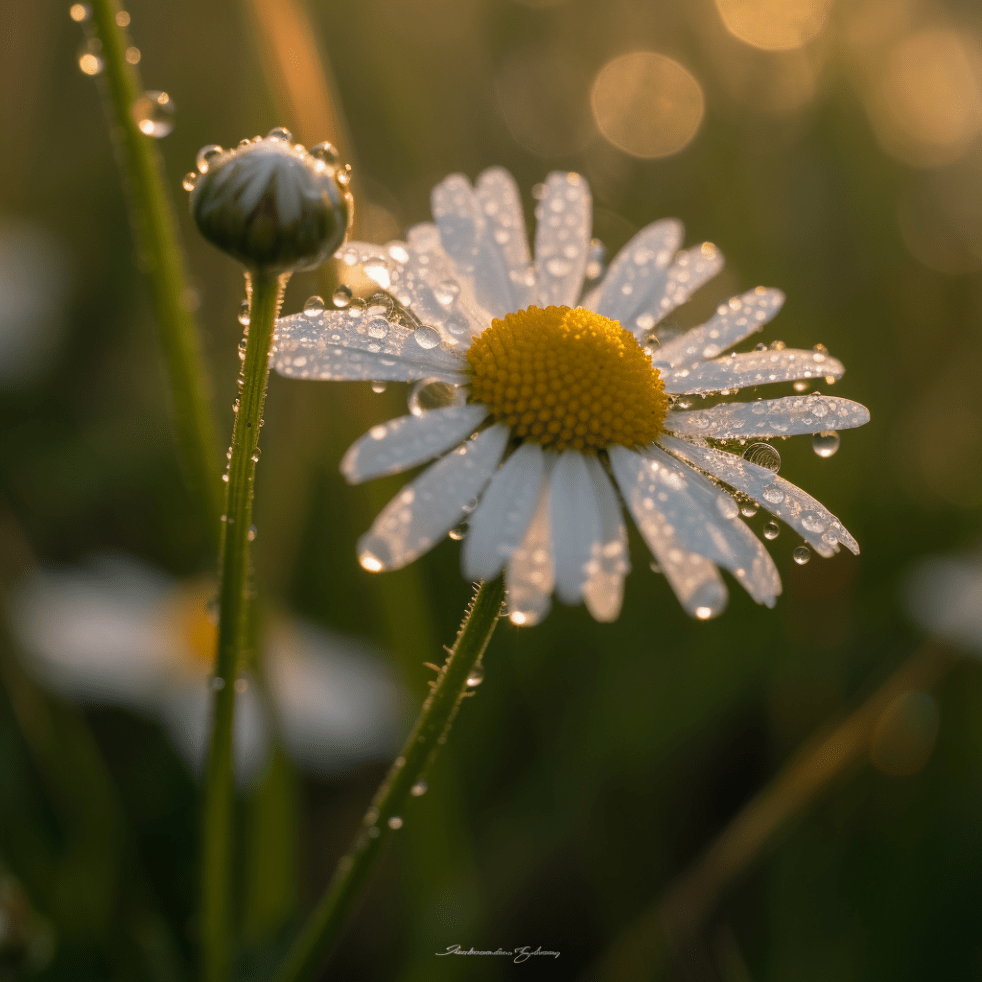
column 206, row 155
column 190, row 179
column 326, row 152
column 153, row 113
column 280, row 133
column 314, row 305
column 342, row 296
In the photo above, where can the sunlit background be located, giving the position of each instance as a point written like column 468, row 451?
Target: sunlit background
column 832, row 148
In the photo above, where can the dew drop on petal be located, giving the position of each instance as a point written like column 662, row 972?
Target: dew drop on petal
column 825, row 443
column 748, row 509
column 433, row 393
column 379, row 387
column 153, row 113
column 342, row 296
column 704, row 613
column 279, row 133
column 801, row 555
column 426, row 337
column 764, row 455
column 377, row 327
column 369, row 561
column 205, row 155
column 314, row 305
column 190, row 179
column 476, row 677
column 458, row 532
column 802, row 386
column 326, row 152
column 771, row 530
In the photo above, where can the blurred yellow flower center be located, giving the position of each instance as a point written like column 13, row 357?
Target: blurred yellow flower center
column 195, row 626
column 567, row 379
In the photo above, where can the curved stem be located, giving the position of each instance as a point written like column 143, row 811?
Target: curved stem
column 384, row 816
column 265, row 295
column 155, row 230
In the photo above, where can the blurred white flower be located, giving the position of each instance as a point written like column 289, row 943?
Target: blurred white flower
column 943, row 594
column 119, row 632
column 550, row 407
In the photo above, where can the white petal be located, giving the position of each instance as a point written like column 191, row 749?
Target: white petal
column 562, row 239
column 361, row 343
column 741, row 552
column 470, row 244
column 505, row 227
column 815, row 523
column 738, row 371
column 503, row 516
column 694, row 579
column 575, row 520
column 426, row 509
column 410, row 440
column 691, row 269
column 635, row 281
column 769, row 417
column 734, row 320
column 603, row 592
column 337, row 703
column 531, row 571
column 944, row 595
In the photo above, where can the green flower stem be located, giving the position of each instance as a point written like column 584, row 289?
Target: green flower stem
column 155, row 228
column 266, row 293
column 384, row 816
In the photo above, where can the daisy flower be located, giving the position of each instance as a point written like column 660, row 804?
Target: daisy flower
column 552, row 408
column 119, row 632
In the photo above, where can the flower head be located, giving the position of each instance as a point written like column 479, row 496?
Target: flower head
column 559, row 407
column 272, row 204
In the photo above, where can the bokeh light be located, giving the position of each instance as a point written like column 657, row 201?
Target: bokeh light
column 774, row 25
column 647, row 104
column 926, row 99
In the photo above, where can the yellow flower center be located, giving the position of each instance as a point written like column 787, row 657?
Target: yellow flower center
column 567, row 378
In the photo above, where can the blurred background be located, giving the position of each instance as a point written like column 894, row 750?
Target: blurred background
column 832, row 148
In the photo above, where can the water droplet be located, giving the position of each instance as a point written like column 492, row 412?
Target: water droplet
column 446, row 291
column 418, row 789
column 256, row 454
column 458, row 532
column 764, row 455
column 557, row 266
column 280, row 133
column 760, row 347
column 704, row 613
column 341, row 296
column 190, row 179
column 379, row 387
column 801, row 555
column 825, row 443
column 133, row 56
column 802, row 386
column 314, row 305
column 773, row 495
column 369, row 561
column 225, row 477
column 326, row 152
column 432, row 393
column 476, row 677
column 812, row 522
column 80, row 12
column 343, row 176
column 218, row 683
column 426, row 337
column 778, row 346
column 153, row 113
column 395, row 822
column 251, row 534
column 654, row 567
column 686, row 402
column 122, row 18
column 205, row 155
column 377, row 327
column 748, row 509
column 90, row 61
column 772, row 530
column 244, row 321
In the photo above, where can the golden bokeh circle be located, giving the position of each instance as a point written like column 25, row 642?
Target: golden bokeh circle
column 774, row 25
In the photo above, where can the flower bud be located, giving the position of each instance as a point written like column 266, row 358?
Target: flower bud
column 272, row 204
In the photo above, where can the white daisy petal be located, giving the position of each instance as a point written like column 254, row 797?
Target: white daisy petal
column 410, row 440
column 747, row 368
column 531, row 571
column 808, row 517
column 692, row 268
column 603, row 591
column 575, row 520
column 360, row 343
column 470, row 244
column 425, row 510
column 769, row 417
column 693, row 578
column 735, row 320
column 505, row 224
column 636, row 279
column 562, row 239
column 743, row 554
column 503, row 516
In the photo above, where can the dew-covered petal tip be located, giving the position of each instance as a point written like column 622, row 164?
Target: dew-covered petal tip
column 744, row 369
column 575, row 519
column 603, row 592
